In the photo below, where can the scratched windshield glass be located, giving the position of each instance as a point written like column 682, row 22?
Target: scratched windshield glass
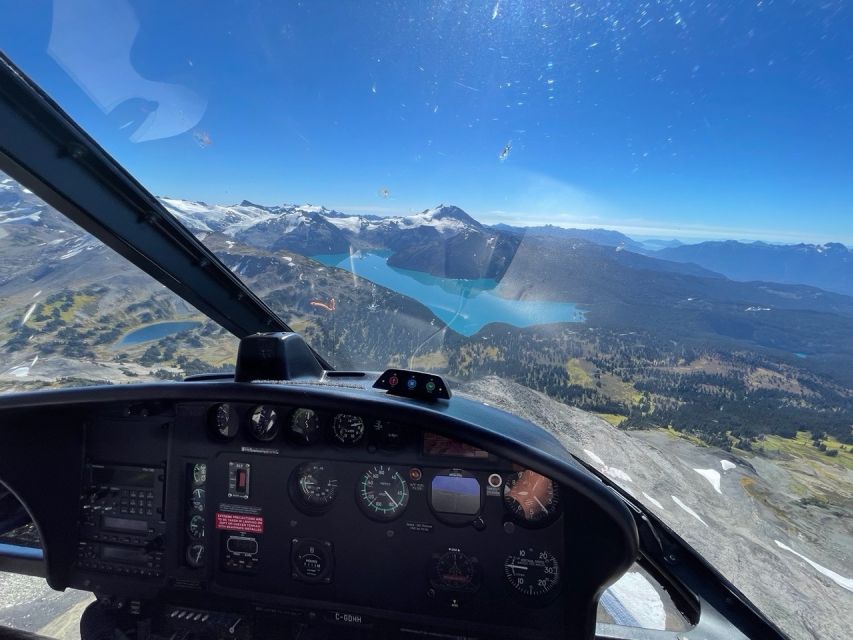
column 641, row 210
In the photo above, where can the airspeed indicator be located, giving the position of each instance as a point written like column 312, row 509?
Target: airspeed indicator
column 382, row 493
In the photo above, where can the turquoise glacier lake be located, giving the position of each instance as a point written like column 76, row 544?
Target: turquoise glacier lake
column 464, row 305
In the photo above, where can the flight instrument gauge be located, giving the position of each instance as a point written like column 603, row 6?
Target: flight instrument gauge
column 533, row 573
column 531, row 499
column 454, row 571
column 382, row 493
column 264, row 423
column 197, row 500
column 347, row 429
column 224, row 421
column 196, row 527
column 199, row 473
column 313, row 487
column 195, row 555
column 304, row 426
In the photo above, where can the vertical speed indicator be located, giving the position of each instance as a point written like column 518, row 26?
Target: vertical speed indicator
column 534, row 573
column 382, row 493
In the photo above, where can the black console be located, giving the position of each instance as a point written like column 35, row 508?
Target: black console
column 303, row 510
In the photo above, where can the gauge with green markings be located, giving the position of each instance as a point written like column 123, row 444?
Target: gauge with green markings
column 382, row 493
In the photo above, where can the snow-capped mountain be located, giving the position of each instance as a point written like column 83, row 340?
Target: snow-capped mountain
column 313, row 230
column 203, row 217
column 234, row 219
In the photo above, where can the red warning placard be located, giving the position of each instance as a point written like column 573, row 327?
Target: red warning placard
column 239, row 522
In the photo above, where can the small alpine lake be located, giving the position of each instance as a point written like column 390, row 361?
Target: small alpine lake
column 156, row 331
column 464, row 305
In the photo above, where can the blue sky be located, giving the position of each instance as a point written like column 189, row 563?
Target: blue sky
column 673, row 119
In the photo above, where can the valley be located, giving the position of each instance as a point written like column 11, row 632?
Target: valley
column 648, row 343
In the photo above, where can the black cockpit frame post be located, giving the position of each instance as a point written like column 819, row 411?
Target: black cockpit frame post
column 44, row 149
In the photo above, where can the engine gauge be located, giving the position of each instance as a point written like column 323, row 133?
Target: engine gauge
column 197, row 500
column 347, row 429
column 531, row 499
column 196, row 527
column 304, row 426
column 454, row 571
column 387, row 434
column 532, row 573
column 313, row 487
column 264, row 423
column 195, row 555
column 224, row 421
column 199, row 473
column 382, row 493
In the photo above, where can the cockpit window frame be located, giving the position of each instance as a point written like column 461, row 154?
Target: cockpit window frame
column 44, row 149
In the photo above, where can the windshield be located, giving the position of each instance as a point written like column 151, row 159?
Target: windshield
column 639, row 210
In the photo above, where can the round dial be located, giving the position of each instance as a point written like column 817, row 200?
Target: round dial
column 347, row 429
column 531, row 499
column 199, row 473
column 454, row 571
column 312, row 560
column 382, row 493
column 197, row 500
column 264, row 423
column 224, row 421
column 304, row 426
column 387, row 434
column 314, row 486
column 195, row 555
column 533, row 573
column 196, row 527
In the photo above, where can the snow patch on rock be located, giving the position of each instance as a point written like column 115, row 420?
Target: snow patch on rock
column 837, row 578
column 594, row 457
column 611, row 472
column 653, row 501
column 712, row 476
column 688, row 510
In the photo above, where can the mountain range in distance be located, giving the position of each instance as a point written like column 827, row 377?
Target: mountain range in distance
column 451, row 234
column 827, row 266
column 445, row 241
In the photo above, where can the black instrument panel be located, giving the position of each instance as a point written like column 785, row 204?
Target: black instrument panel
column 325, row 506
column 361, row 510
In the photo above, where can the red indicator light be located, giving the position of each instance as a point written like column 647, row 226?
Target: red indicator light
column 241, row 480
column 393, row 380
